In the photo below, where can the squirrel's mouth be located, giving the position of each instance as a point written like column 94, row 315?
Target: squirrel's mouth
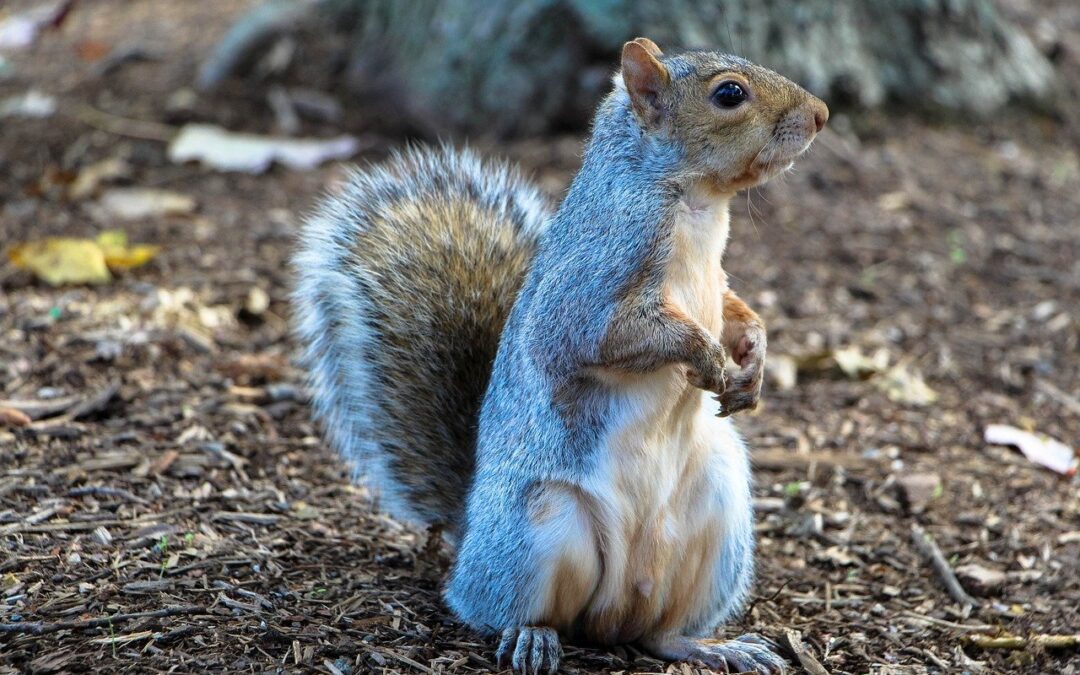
column 793, row 134
column 780, row 153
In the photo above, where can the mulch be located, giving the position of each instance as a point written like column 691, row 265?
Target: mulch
column 169, row 506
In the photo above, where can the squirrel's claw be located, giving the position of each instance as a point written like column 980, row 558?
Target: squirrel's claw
column 743, row 391
column 530, row 650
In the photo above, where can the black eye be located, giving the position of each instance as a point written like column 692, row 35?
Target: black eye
column 729, row 95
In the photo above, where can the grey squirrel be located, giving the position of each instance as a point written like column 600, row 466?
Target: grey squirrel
column 539, row 382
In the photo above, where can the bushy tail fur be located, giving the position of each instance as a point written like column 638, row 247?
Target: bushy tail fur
column 405, row 279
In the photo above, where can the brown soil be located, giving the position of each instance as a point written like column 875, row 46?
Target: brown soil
column 185, row 480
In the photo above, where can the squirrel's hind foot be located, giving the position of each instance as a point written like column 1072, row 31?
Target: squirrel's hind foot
column 746, row 654
column 530, row 650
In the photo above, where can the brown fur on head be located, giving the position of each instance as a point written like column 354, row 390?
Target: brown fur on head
column 740, row 124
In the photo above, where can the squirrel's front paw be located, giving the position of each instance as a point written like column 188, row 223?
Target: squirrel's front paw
column 743, row 390
column 710, row 374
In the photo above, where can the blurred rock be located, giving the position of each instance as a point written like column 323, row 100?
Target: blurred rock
column 981, row 580
column 917, row 490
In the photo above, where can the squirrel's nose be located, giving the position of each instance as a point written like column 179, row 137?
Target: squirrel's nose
column 821, row 113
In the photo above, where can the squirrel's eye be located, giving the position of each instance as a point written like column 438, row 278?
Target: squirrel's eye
column 729, row 95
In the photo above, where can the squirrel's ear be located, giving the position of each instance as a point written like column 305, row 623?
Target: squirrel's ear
column 649, row 46
column 645, row 77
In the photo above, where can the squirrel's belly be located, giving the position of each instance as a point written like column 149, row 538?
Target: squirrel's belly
column 654, row 514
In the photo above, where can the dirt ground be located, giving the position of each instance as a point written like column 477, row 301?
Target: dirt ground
column 172, row 471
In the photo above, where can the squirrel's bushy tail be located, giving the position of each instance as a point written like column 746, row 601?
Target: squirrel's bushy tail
column 405, row 279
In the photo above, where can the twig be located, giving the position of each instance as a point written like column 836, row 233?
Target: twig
column 925, row 543
column 94, row 524
column 785, row 459
column 935, row 659
column 769, row 599
column 32, row 519
column 245, row 517
column 401, row 657
column 104, row 491
column 1017, row 642
column 925, row 620
column 96, row 402
column 36, row 409
column 40, row 628
column 122, row 126
column 1065, row 399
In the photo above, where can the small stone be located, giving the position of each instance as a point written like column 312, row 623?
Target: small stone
column 108, row 350
column 981, row 580
column 812, row 525
column 916, row 490
column 257, row 301
column 102, row 536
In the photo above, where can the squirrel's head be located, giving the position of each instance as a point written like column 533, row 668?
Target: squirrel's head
column 738, row 123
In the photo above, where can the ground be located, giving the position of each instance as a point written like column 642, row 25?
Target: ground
column 178, row 473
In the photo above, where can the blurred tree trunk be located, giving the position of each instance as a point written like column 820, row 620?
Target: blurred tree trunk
column 527, row 66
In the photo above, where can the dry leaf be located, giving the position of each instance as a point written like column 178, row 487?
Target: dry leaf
column 138, row 203
column 782, row 371
column 837, row 556
column 848, row 360
column 62, row 260
column 905, row 385
column 894, row 201
column 1041, row 450
column 92, row 176
column 120, row 256
column 857, row 366
column 228, row 151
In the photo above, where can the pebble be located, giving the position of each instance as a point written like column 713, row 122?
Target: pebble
column 917, row 490
column 981, row 580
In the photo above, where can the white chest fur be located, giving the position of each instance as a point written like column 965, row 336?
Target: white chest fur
column 695, row 280
column 673, row 476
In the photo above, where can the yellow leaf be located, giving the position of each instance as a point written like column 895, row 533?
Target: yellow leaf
column 112, row 239
column 127, row 258
column 62, row 260
column 858, row 366
column 905, row 385
column 119, row 256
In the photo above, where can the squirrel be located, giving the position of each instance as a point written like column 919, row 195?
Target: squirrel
column 553, row 387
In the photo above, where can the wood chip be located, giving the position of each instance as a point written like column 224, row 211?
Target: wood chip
column 246, row 517
column 792, row 641
column 13, row 417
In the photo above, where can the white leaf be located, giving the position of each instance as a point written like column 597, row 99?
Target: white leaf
column 1041, row 450
column 138, row 203
column 228, row 151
